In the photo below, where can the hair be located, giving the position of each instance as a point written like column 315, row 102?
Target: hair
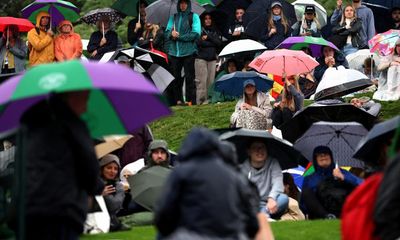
column 343, row 19
column 288, row 180
column 14, row 32
column 153, row 31
column 103, row 19
column 368, row 61
column 252, row 100
column 303, row 20
column 140, row 3
column 287, row 97
column 284, row 21
column 240, row 7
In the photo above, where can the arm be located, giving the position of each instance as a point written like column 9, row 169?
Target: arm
column 19, row 50
column 215, row 39
column 111, row 45
column 93, row 43
column 298, row 97
column 57, row 51
column 37, row 43
column 353, row 29
column 234, row 115
column 195, row 33
column 277, row 180
column 114, row 201
column 170, row 25
column 132, row 35
column 350, row 178
column 78, row 46
column 337, row 14
column 373, row 108
column 264, row 106
column 370, row 31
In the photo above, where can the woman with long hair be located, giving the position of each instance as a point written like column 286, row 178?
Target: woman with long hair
column 290, row 101
column 346, row 35
column 13, row 51
column 253, row 110
column 278, row 28
column 309, row 24
column 152, row 37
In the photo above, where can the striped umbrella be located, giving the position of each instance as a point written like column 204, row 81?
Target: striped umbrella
column 58, row 9
column 314, row 43
column 110, row 107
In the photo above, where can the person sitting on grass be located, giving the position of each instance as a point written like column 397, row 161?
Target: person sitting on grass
column 367, row 105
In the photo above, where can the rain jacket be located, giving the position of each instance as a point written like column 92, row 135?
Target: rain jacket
column 67, row 46
column 185, row 44
column 354, row 31
column 61, row 165
column 207, row 49
column 41, row 45
column 19, row 50
column 271, row 42
column 202, row 194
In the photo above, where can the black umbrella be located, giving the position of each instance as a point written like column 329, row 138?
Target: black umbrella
column 255, row 18
column 381, row 19
column 340, row 112
column 380, row 133
column 282, row 150
column 226, row 14
column 6, row 76
column 384, row 3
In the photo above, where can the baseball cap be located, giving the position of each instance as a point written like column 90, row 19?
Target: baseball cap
column 309, row 9
column 276, row 3
column 249, row 82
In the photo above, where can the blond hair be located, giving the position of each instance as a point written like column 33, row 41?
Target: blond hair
column 287, row 97
column 284, row 21
column 343, row 19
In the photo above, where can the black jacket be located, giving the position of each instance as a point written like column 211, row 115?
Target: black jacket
column 207, row 49
column 340, row 60
column 271, row 42
column 203, row 194
column 354, row 31
column 61, row 164
column 387, row 205
column 94, row 43
column 133, row 36
column 236, row 26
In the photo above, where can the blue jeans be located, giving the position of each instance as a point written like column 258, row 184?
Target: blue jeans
column 282, row 201
column 348, row 49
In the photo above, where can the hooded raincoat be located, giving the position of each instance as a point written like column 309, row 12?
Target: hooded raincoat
column 41, row 44
column 67, row 45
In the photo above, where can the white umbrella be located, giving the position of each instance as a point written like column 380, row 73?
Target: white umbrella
column 356, row 60
column 340, row 81
column 240, row 46
column 300, row 5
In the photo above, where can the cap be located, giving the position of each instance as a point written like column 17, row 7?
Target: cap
column 309, row 9
column 122, row 58
column 109, row 158
column 249, row 82
column 155, row 144
column 276, row 3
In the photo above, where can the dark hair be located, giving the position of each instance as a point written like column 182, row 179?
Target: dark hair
column 140, row 3
column 240, row 7
column 288, row 180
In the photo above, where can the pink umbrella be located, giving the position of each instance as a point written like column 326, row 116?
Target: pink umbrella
column 384, row 43
column 283, row 62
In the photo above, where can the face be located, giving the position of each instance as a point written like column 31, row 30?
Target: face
column 291, row 79
column 106, row 25
column 77, row 101
column 258, row 152
column 324, row 160
column 239, row 14
column 328, row 52
column 231, row 67
column 309, row 15
column 349, row 12
column 44, row 21
column 66, row 29
column 207, row 20
column 159, row 155
column 276, row 10
column 249, row 89
column 356, row 1
column 110, row 171
column 183, row 6
column 396, row 16
column 143, row 16
column 356, row 102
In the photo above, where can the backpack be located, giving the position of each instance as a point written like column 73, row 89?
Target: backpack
column 357, row 215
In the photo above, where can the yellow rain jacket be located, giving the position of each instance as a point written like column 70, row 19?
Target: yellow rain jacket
column 41, row 44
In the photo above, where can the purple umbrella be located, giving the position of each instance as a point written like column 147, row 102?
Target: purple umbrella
column 314, row 43
column 120, row 100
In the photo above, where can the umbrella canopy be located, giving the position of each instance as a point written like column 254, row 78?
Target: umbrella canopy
column 23, row 25
column 224, row 14
column 384, row 3
column 278, row 148
column 300, row 5
column 146, row 62
column 344, row 112
column 297, row 174
column 92, row 17
column 380, row 133
column 255, row 18
column 109, row 109
column 232, row 84
column 314, row 43
column 342, row 138
column 338, row 82
column 283, row 62
column 241, row 46
column 356, row 60
column 159, row 11
column 128, row 7
column 58, row 9
column 110, row 145
column 384, row 43
column 147, row 185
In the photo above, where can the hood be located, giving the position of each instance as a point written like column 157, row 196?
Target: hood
column 199, row 142
column 318, row 169
column 65, row 22
column 109, row 158
column 155, row 144
column 229, row 153
column 189, row 8
column 40, row 15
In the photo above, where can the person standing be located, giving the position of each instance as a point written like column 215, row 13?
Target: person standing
column 67, row 44
column 278, row 28
column 309, row 25
column 136, row 25
column 236, row 30
column 40, row 41
column 13, row 51
column 205, row 62
column 102, row 41
column 183, row 30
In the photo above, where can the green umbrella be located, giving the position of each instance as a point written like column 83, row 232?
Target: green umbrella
column 128, row 7
column 147, row 185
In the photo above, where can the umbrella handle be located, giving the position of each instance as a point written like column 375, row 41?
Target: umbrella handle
column 8, row 35
column 102, row 26
column 139, row 13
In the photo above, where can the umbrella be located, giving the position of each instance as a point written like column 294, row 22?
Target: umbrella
column 146, row 62
column 384, row 43
column 110, row 145
column 147, row 185
column 356, row 60
column 280, row 149
column 159, row 11
column 339, row 81
column 58, row 9
column 93, row 16
column 380, row 133
column 232, row 84
column 255, row 18
column 384, row 3
column 131, row 169
column 342, row 138
column 314, row 43
column 22, row 24
column 109, row 109
column 297, row 174
column 283, row 62
column 225, row 13
column 300, row 5
column 241, row 46
column 381, row 13
column 343, row 112
column 128, row 7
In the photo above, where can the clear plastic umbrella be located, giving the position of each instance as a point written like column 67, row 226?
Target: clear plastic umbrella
column 300, row 5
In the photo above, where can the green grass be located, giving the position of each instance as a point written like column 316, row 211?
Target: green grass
column 307, row 230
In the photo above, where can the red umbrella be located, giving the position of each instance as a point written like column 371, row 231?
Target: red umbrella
column 23, row 24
